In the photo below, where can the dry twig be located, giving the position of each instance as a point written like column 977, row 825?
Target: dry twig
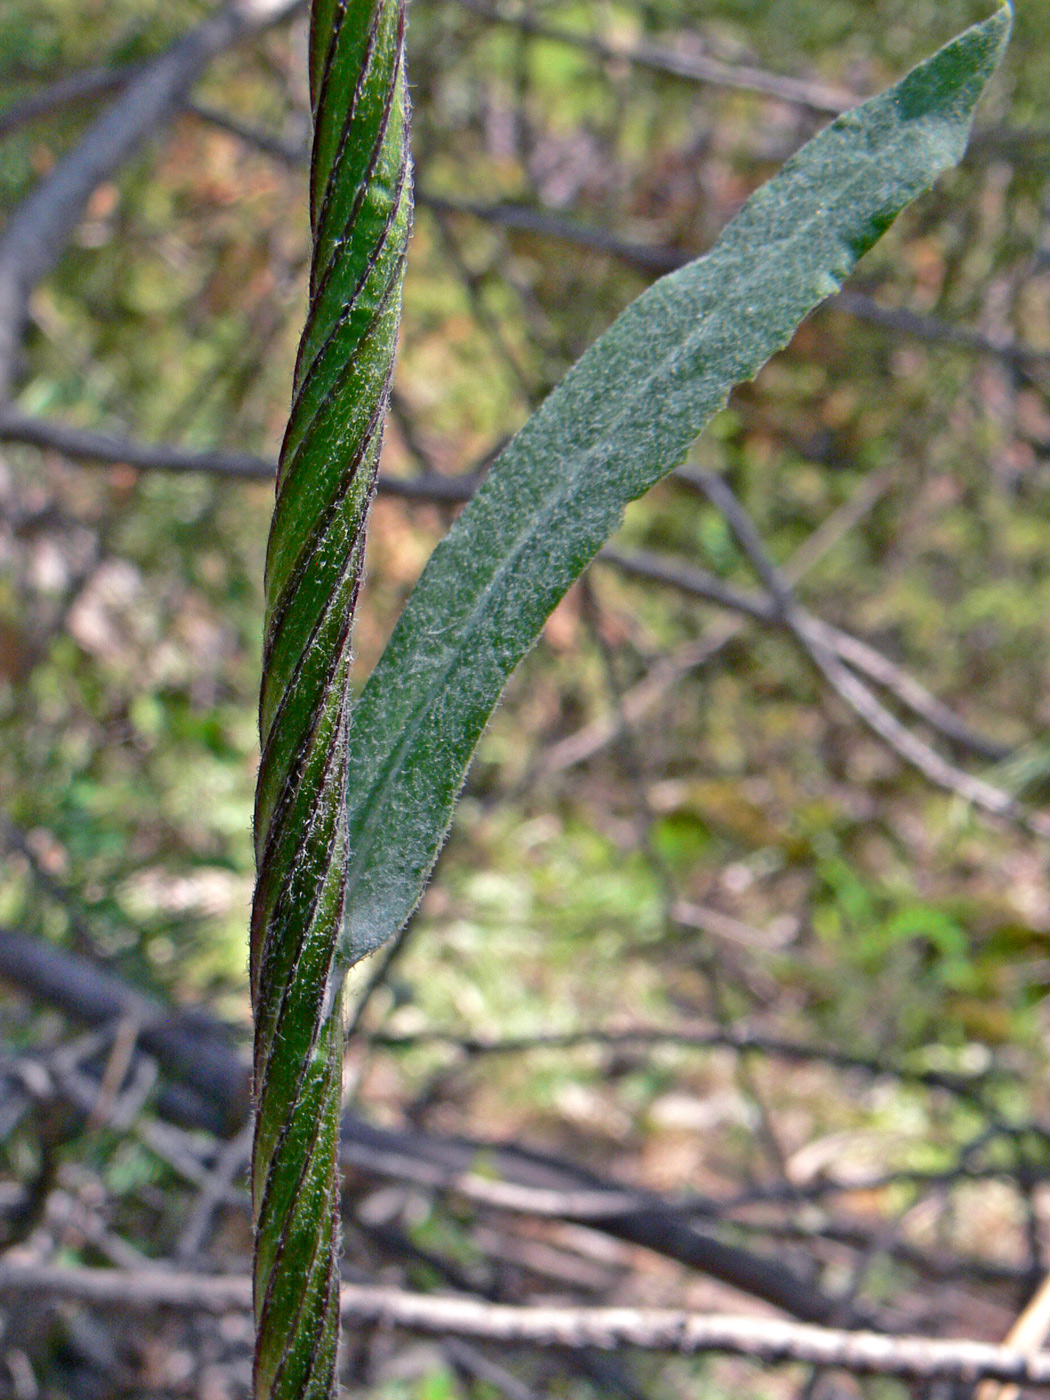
column 761, row 1339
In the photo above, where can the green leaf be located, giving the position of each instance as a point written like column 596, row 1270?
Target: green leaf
column 622, row 418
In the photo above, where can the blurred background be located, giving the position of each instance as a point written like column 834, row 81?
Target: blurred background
column 766, row 946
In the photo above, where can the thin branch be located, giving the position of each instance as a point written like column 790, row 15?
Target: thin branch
column 766, row 1340
column 602, row 1204
column 64, row 92
column 296, row 154
column 378, row 975
column 1017, row 143
column 657, row 260
column 840, row 645
column 477, row 1366
column 860, row 655
column 863, row 657
column 83, row 445
column 929, row 1263
column 652, row 258
column 37, row 232
column 914, row 751
column 695, row 1038
column 487, row 323
column 1014, row 143
column 937, row 331
column 983, row 795
column 1028, row 1334
column 546, row 224
column 233, row 1159
column 697, row 68
column 15, row 839
column 636, row 702
column 293, row 153
column 664, row 1230
column 599, row 734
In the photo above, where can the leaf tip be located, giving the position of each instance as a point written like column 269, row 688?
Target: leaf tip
column 945, row 90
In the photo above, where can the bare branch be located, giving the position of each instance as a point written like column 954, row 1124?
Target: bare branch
column 696, row 1038
column 81, row 444
column 767, row 1340
column 849, row 687
column 234, row 1157
column 656, row 260
column 665, row 1228
column 651, row 258
column 646, row 257
column 858, row 654
column 583, row 1204
column 1017, row 143
column 592, row 738
column 196, row 1048
column 481, row 1367
column 295, row 154
column 37, row 232
column 1028, row 1334
column 936, row 331
column 697, row 68
column 669, row 670
column 77, row 87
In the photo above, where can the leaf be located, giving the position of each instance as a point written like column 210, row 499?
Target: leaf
column 622, row 418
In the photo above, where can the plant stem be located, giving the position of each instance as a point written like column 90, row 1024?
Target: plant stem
column 360, row 200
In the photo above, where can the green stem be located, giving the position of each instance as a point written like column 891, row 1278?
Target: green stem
column 360, row 199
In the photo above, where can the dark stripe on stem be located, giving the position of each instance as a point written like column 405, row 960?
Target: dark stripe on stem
column 361, row 213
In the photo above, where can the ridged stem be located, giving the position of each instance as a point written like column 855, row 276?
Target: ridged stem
column 360, row 200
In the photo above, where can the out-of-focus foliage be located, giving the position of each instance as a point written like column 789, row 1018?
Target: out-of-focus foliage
column 870, row 910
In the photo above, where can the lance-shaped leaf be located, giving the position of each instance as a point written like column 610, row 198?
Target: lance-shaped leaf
column 622, row 418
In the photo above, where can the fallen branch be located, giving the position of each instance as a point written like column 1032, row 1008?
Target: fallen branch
column 761, row 1339
column 450, row 1163
column 1028, row 1334
column 197, row 1050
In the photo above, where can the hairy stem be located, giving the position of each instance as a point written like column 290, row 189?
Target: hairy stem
column 360, row 200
